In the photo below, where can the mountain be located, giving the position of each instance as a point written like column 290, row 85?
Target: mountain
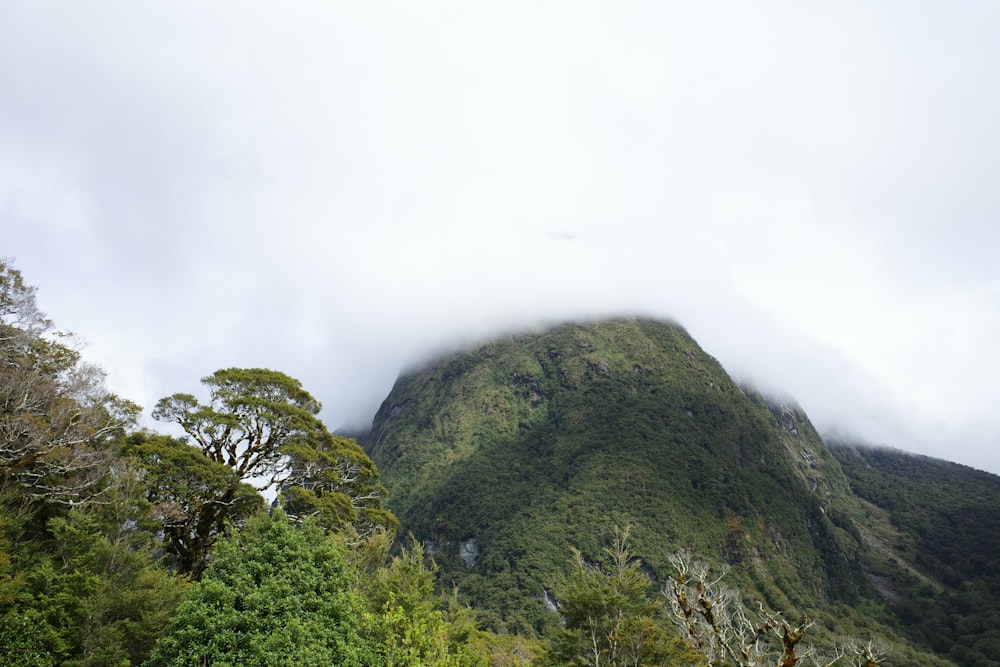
column 503, row 457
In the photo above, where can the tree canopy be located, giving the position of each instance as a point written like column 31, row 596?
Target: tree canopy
column 260, row 427
column 193, row 497
column 612, row 618
column 273, row 594
column 254, row 415
column 57, row 420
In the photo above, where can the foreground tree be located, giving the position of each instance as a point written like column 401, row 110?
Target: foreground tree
column 408, row 623
column 79, row 584
column 262, row 426
column 193, row 498
column 716, row 623
column 86, row 587
column 335, row 481
column 253, row 416
column 57, row 421
column 274, row 594
column 611, row 617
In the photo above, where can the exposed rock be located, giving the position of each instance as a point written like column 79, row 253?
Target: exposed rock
column 468, row 551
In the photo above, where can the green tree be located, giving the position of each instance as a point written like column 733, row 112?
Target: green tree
column 89, row 591
column 611, row 618
column 273, row 594
column 335, row 481
column 57, row 421
column 408, row 623
column 262, row 425
column 193, row 498
column 254, row 415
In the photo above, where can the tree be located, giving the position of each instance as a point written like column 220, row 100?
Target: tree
column 192, row 497
column 611, row 620
column 57, row 421
column 261, row 425
column 253, row 416
column 715, row 622
column 88, row 590
column 79, row 584
column 407, row 621
column 273, row 594
column 335, row 481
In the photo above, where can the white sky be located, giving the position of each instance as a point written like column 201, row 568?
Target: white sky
column 338, row 189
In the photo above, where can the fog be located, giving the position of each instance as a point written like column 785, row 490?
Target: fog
column 341, row 190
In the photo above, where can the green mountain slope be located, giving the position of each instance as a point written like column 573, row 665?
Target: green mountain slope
column 502, row 457
column 533, row 443
column 933, row 532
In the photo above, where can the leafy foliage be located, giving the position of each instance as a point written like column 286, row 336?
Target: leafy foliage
column 79, row 584
column 335, row 481
column 192, row 497
column 280, row 594
column 259, row 425
column 273, row 594
column 57, row 421
column 87, row 589
column 252, row 416
column 611, row 616
column 406, row 621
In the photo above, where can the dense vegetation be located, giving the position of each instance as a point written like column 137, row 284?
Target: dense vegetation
column 554, row 483
column 115, row 540
column 532, row 444
column 937, row 531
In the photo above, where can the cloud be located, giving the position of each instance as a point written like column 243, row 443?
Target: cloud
column 338, row 190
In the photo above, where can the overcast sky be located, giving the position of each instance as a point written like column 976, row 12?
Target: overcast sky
column 338, row 189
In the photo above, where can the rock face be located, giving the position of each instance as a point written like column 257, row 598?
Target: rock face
column 468, row 551
column 506, row 455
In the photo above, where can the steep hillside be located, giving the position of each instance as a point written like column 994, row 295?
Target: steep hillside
column 503, row 457
column 933, row 534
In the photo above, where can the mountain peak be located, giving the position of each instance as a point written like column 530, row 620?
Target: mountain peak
column 528, row 444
